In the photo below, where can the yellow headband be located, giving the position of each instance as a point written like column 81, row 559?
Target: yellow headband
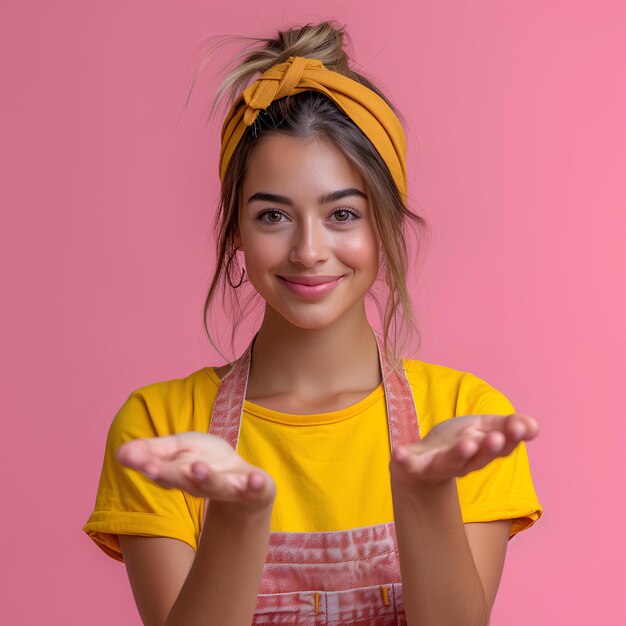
column 364, row 107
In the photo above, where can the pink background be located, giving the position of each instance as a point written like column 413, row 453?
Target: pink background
column 517, row 148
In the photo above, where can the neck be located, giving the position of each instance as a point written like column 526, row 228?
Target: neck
column 313, row 363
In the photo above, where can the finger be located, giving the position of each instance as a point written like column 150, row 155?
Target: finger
column 401, row 453
column 228, row 486
column 489, row 447
column 255, row 485
column 135, row 453
column 523, row 426
column 445, row 461
column 517, row 427
column 168, row 475
column 143, row 452
column 498, row 443
column 515, row 424
column 412, row 459
column 256, row 481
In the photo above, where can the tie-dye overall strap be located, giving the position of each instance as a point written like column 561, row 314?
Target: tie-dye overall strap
column 329, row 577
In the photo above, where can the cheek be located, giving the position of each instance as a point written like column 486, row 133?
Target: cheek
column 259, row 255
column 361, row 249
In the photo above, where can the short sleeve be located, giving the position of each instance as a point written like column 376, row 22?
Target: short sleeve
column 502, row 489
column 127, row 501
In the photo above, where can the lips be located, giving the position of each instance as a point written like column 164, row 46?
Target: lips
column 310, row 280
column 322, row 286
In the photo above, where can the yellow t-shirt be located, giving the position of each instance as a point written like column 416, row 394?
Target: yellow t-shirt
column 331, row 469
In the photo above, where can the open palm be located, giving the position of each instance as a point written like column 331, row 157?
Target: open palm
column 202, row 464
column 460, row 445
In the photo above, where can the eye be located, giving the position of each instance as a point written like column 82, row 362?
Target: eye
column 347, row 212
column 270, row 217
column 272, row 212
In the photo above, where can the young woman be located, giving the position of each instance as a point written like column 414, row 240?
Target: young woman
column 320, row 477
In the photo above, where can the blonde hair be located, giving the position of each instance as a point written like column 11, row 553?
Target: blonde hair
column 308, row 115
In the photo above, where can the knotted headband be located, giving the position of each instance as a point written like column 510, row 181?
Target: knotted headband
column 363, row 106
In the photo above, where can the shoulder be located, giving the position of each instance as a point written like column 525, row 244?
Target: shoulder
column 167, row 406
column 462, row 392
column 424, row 375
column 176, row 389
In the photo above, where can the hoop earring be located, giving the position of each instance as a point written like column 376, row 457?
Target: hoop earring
column 243, row 271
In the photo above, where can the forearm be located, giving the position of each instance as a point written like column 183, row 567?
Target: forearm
column 223, row 582
column 440, row 582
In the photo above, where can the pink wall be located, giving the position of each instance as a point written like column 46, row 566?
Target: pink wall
column 517, row 112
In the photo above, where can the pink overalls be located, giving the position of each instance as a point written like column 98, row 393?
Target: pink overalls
column 332, row 577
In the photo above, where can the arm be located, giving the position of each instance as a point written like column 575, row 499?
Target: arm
column 217, row 585
column 450, row 571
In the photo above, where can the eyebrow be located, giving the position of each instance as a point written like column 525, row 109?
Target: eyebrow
column 332, row 196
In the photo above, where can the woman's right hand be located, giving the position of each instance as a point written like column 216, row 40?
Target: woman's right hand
column 203, row 465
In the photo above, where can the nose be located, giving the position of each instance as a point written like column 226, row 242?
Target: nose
column 310, row 243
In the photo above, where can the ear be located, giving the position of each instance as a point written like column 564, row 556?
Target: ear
column 237, row 241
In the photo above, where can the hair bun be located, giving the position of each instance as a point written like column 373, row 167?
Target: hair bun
column 325, row 41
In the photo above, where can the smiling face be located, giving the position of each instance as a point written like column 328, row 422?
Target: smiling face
column 304, row 213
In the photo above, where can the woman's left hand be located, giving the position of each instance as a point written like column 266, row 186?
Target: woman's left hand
column 460, row 445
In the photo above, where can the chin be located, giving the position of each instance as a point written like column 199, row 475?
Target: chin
column 310, row 319
column 312, row 322
column 310, row 315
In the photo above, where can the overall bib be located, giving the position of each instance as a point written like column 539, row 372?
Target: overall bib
column 330, row 577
